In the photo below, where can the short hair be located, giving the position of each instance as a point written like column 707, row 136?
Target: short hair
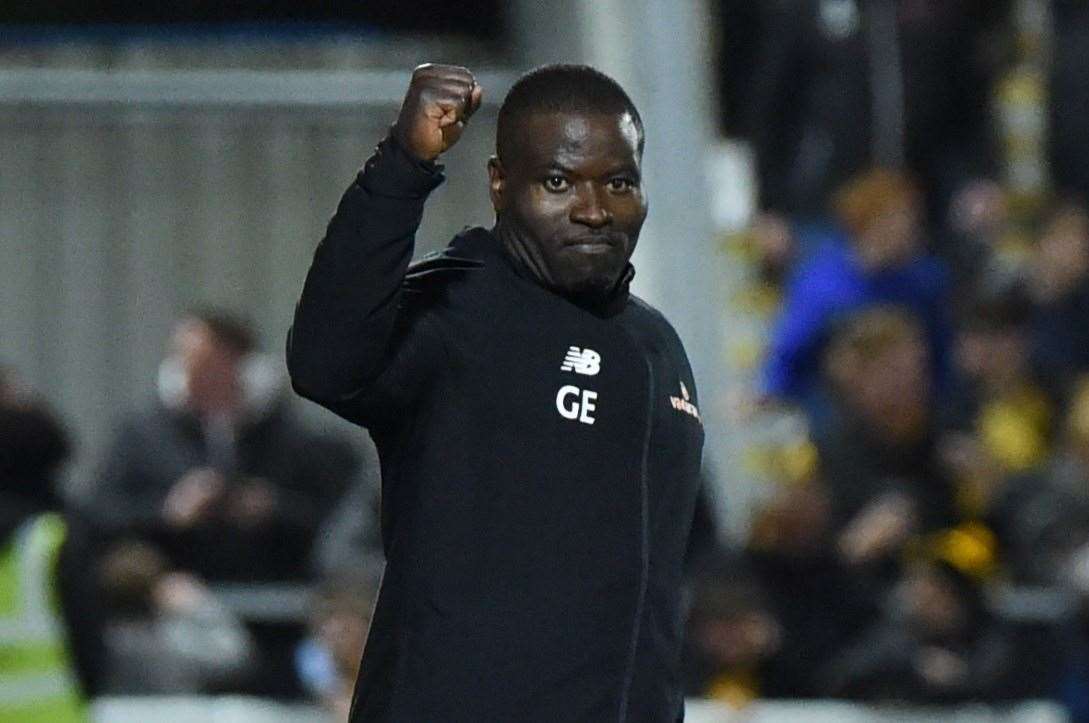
column 560, row 88
column 229, row 330
column 865, row 335
column 870, row 193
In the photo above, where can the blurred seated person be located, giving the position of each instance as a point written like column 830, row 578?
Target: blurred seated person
column 166, row 632
column 1060, row 291
column 880, row 259
column 878, row 453
column 937, row 643
column 50, row 650
column 217, row 471
column 731, row 633
column 1041, row 517
column 1000, row 418
column 328, row 659
column 817, row 600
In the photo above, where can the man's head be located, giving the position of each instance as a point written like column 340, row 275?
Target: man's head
column 878, row 366
column 1062, row 258
column 210, row 346
column 882, row 210
column 993, row 336
column 33, row 445
column 566, row 179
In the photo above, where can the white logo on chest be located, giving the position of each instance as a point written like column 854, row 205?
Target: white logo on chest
column 572, row 402
column 581, row 361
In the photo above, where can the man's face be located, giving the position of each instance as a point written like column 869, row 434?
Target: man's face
column 891, row 392
column 211, row 369
column 573, row 194
column 893, row 237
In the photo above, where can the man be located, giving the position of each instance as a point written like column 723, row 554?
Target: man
column 223, row 479
column 218, row 472
column 878, row 452
column 537, row 425
column 50, row 649
column 880, row 259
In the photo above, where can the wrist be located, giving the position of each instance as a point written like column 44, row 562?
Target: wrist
column 398, row 138
column 394, row 172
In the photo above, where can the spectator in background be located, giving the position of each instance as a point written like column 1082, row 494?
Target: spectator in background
column 221, row 478
column 816, row 601
column 841, row 85
column 1000, row 418
column 937, row 643
column 168, row 634
column 881, row 261
column 217, row 472
column 731, row 634
column 878, row 456
column 1060, row 290
column 328, row 660
column 49, row 646
column 1041, row 517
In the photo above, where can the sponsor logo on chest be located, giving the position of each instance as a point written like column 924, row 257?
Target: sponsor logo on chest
column 579, row 404
column 573, row 402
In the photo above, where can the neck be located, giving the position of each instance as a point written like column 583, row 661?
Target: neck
column 523, row 254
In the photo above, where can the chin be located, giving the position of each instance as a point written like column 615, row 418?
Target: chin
column 592, row 286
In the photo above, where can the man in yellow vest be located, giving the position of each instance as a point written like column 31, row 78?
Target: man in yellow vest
column 38, row 680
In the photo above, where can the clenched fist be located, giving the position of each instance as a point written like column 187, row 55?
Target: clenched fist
column 438, row 104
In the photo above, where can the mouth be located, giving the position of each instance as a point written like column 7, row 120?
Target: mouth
column 593, row 244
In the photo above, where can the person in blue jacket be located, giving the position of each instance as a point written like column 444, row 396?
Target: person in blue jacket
column 875, row 256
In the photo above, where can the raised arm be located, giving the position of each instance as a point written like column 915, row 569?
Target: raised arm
column 344, row 322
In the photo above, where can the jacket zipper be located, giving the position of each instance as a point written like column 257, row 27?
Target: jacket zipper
column 640, row 601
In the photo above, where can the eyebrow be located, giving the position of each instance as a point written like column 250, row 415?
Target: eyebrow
column 553, row 166
column 622, row 168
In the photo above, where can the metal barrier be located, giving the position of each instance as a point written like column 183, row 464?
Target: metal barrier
column 828, row 711
column 251, row 710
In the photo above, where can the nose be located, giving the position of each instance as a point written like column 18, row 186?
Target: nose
column 589, row 208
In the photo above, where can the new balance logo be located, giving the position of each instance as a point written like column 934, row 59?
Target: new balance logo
column 581, row 361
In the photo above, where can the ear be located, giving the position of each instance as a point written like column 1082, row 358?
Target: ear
column 497, row 178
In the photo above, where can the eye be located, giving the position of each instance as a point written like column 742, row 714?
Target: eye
column 556, row 184
column 621, row 184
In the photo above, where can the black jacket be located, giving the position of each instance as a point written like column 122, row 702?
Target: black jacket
column 308, row 470
column 534, row 546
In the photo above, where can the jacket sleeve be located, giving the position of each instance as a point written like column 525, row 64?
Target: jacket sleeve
column 347, row 320
column 792, row 358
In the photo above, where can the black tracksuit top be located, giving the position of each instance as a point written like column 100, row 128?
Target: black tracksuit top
column 540, row 467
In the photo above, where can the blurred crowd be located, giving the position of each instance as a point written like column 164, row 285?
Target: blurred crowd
column 926, row 540
column 221, row 545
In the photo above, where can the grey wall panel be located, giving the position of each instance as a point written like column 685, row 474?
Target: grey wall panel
column 114, row 219
column 80, row 170
column 19, row 152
